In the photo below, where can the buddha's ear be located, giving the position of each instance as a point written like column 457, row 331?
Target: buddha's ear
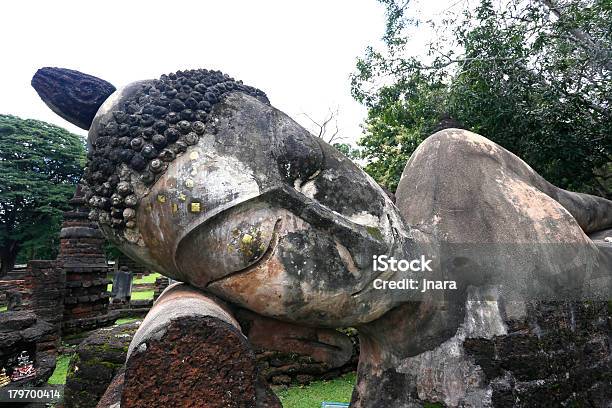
column 73, row 95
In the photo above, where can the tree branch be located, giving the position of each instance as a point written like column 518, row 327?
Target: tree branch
column 597, row 52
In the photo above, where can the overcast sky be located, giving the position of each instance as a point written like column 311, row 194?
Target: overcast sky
column 300, row 53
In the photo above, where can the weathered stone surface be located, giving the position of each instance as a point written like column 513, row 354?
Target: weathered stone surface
column 558, row 355
column 10, row 292
column 98, row 359
column 301, row 354
column 112, row 395
column 14, row 300
column 603, row 236
column 255, row 210
column 37, row 332
column 487, row 209
column 16, row 320
column 322, row 345
column 197, row 359
column 293, row 227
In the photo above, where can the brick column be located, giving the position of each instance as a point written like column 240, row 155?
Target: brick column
column 46, row 282
column 82, row 256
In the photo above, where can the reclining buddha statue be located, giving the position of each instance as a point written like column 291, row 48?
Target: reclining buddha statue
column 200, row 178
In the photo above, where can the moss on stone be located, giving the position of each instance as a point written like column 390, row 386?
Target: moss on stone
column 375, row 232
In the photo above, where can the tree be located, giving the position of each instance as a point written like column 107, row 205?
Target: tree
column 532, row 76
column 328, row 130
column 40, row 165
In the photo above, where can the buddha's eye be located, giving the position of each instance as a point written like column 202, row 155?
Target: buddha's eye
column 298, row 155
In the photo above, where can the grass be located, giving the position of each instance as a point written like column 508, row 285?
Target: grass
column 126, row 320
column 313, row 394
column 61, row 369
column 146, row 279
column 142, row 295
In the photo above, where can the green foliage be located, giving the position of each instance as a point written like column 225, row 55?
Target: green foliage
column 61, row 369
column 404, row 115
column 311, row 395
column 111, row 251
column 531, row 76
column 347, row 150
column 39, row 166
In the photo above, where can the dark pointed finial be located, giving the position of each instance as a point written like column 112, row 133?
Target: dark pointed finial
column 448, row 122
column 73, row 95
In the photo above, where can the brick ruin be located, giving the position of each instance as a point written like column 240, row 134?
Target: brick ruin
column 161, row 283
column 49, row 299
column 32, row 323
column 136, row 268
column 13, row 291
column 83, row 259
column 38, row 288
column 79, row 300
column 44, row 283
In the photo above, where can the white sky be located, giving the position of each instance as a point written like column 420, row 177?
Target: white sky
column 299, row 52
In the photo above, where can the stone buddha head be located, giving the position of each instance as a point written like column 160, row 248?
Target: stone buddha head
column 199, row 177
